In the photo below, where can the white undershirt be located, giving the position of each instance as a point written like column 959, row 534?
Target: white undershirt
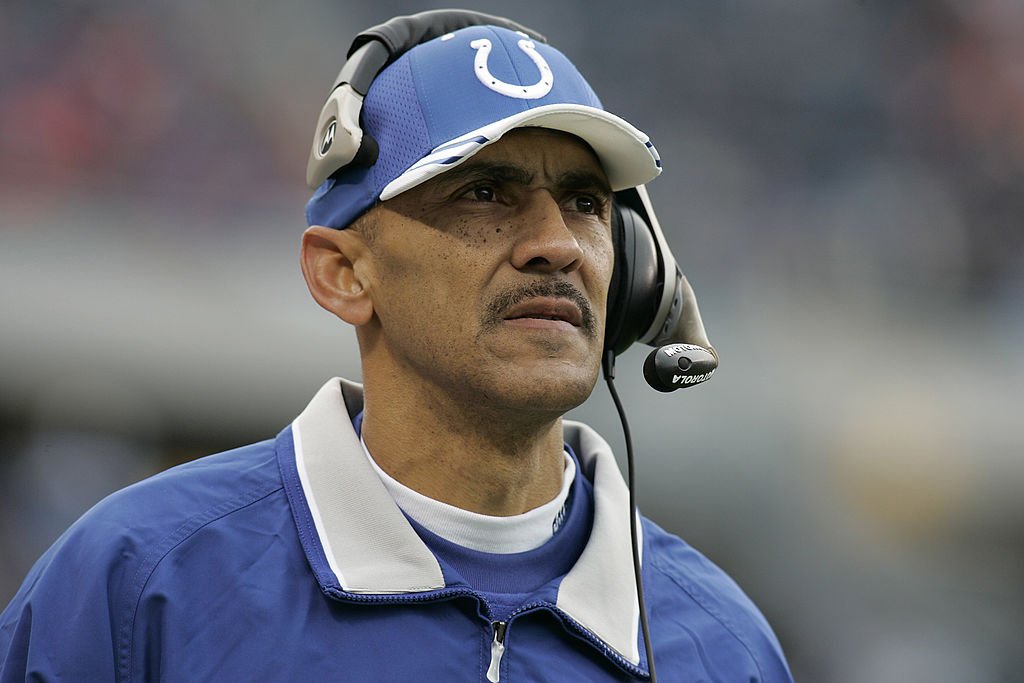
column 483, row 533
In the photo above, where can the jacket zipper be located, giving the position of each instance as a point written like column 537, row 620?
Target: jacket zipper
column 497, row 650
column 497, row 646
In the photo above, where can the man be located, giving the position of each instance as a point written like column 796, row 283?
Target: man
column 442, row 522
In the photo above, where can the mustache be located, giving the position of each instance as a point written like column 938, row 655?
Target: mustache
column 556, row 289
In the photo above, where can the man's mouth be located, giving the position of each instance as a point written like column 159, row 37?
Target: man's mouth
column 543, row 305
column 547, row 309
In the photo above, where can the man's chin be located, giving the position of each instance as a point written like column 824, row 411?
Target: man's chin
column 546, row 385
column 542, row 342
column 550, row 372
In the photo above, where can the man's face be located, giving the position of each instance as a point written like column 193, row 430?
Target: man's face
column 489, row 282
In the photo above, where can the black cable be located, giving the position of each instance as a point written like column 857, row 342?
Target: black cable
column 609, row 376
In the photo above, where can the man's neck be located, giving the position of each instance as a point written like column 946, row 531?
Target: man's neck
column 472, row 457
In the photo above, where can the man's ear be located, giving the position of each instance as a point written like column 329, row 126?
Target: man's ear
column 328, row 259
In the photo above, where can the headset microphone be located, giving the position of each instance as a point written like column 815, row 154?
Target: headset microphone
column 676, row 366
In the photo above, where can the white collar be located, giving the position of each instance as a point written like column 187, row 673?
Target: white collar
column 372, row 549
column 484, row 533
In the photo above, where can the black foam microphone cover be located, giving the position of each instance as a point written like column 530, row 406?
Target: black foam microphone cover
column 677, row 366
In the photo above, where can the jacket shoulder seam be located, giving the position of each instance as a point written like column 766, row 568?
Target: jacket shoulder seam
column 710, row 609
column 166, row 545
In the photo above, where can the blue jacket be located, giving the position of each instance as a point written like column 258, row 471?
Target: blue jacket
column 287, row 560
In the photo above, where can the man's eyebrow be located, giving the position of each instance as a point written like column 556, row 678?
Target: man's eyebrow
column 584, row 180
column 484, row 170
column 510, row 173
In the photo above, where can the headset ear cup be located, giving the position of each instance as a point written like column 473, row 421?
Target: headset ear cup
column 617, row 286
column 367, row 153
column 634, row 289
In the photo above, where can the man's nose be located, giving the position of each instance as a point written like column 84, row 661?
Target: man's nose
column 544, row 242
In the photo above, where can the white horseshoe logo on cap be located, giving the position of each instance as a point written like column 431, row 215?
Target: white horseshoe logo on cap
column 524, row 92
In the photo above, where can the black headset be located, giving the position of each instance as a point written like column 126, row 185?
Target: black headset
column 649, row 299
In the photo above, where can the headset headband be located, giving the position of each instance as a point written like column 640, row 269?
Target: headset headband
column 339, row 139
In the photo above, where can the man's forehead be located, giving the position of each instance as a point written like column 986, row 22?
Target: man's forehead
column 535, row 140
column 531, row 152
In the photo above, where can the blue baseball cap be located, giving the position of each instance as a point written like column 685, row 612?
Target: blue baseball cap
column 446, row 99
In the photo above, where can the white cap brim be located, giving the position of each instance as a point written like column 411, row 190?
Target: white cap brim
column 626, row 153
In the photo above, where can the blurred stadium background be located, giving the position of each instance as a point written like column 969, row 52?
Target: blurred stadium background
column 843, row 186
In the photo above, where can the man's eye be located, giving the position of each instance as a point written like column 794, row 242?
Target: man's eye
column 587, row 204
column 483, row 193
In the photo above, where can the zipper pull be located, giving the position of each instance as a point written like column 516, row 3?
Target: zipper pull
column 497, row 650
